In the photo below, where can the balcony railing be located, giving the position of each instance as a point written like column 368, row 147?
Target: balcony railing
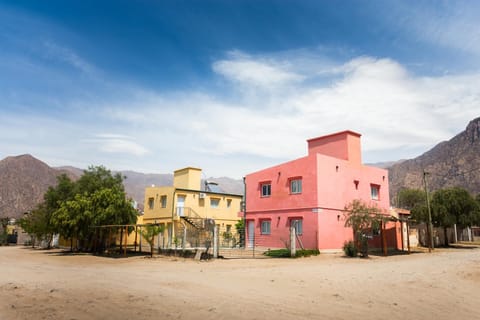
column 187, row 212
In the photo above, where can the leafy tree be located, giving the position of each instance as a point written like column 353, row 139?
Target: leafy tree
column 240, row 227
column 361, row 217
column 415, row 201
column 99, row 200
column 39, row 223
column 97, row 178
column 410, row 198
column 149, row 232
column 73, row 218
column 454, row 206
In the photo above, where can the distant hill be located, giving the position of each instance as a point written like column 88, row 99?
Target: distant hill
column 384, row 165
column 25, row 180
column 450, row 163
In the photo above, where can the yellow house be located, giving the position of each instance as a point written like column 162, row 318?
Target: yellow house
column 189, row 207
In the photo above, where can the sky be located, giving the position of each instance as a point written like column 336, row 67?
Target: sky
column 232, row 86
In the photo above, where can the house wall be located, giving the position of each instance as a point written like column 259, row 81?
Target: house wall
column 187, row 178
column 282, row 206
column 337, row 183
column 279, row 177
column 197, row 204
column 203, row 206
column 157, row 212
column 330, row 181
column 332, row 233
column 280, row 223
column 343, row 145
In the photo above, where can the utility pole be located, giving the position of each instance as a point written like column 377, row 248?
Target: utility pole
column 430, row 227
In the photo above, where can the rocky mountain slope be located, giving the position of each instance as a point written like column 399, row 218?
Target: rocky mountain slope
column 24, row 181
column 450, row 163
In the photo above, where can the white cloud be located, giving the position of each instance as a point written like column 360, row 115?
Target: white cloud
column 117, row 143
column 264, row 73
column 398, row 113
column 394, row 110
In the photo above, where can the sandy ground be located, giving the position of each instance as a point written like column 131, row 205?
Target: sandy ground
column 37, row 284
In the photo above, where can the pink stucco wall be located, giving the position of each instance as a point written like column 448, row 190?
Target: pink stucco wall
column 341, row 145
column 329, row 183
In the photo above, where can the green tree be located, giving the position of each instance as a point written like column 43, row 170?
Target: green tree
column 362, row 217
column 74, row 209
column 454, row 206
column 97, row 178
column 99, row 200
column 39, row 223
column 240, row 227
column 410, row 198
column 149, row 232
column 415, row 201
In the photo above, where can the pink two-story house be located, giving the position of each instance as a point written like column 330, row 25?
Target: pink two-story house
column 311, row 193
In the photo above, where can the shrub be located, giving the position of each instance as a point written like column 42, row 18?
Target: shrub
column 350, row 249
column 285, row 253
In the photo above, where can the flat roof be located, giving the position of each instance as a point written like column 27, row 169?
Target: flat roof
column 336, row 134
column 188, row 168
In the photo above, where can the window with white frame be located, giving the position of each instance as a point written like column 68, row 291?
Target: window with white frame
column 265, row 227
column 296, row 185
column 375, row 191
column 266, row 189
column 214, row 203
column 298, row 225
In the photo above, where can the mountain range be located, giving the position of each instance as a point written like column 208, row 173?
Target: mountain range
column 452, row 163
column 25, row 179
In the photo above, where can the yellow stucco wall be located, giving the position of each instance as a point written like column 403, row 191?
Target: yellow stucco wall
column 153, row 209
column 223, row 208
column 195, row 203
column 187, row 178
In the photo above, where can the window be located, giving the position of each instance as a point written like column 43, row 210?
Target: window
column 229, row 228
column 151, row 201
column 375, row 191
column 265, row 227
column 229, row 203
column 163, row 201
column 296, row 185
column 298, row 225
column 266, row 189
column 214, row 202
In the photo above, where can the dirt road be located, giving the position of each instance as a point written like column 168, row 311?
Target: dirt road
column 37, row 284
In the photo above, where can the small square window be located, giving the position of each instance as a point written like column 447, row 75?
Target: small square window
column 265, row 227
column 375, row 191
column 296, row 186
column 298, row 225
column 266, row 189
column 214, row 203
column 163, row 201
